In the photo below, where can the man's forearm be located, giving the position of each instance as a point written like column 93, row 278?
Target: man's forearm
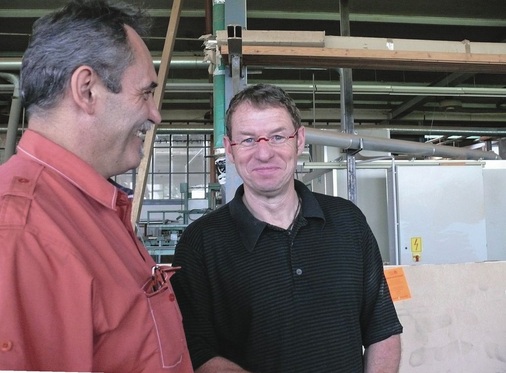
column 220, row 365
column 384, row 356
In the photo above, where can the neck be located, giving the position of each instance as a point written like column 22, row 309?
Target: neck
column 280, row 212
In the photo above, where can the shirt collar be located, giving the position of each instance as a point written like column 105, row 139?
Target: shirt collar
column 42, row 150
column 250, row 228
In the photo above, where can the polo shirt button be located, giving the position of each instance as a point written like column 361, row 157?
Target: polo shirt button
column 23, row 180
column 172, row 297
column 5, row 346
column 298, row 271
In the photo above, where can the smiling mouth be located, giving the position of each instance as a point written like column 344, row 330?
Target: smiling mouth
column 141, row 132
column 267, row 169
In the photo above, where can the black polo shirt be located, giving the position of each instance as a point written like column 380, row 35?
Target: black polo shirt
column 276, row 300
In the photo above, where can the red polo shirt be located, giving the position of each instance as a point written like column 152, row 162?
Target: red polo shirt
column 72, row 273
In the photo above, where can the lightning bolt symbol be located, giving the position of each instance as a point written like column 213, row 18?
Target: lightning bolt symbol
column 416, row 244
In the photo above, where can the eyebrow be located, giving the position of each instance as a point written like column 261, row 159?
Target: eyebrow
column 153, row 85
column 250, row 133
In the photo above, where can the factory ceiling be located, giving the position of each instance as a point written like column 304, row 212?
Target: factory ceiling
column 459, row 106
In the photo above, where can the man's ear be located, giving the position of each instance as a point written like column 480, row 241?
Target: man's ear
column 228, row 148
column 83, row 83
column 301, row 139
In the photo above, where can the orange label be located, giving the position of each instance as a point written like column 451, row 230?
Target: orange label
column 397, row 284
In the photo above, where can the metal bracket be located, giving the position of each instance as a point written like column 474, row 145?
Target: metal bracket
column 234, row 40
column 352, row 152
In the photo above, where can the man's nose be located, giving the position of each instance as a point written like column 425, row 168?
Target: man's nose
column 263, row 148
column 154, row 114
column 262, row 138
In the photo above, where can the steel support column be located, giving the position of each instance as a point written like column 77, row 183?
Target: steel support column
column 347, row 120
column 235, row 14
column 14, row 115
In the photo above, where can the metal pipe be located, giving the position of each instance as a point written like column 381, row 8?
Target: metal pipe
column 15, row 113
column 366, row 89
column 169, row 127
column 438, row 130
column 176, row 62
column 172, row 129
column 349, row 141
column 195, row 62
column 401, row 90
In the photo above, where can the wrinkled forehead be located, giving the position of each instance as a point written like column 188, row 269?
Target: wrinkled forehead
column 260, row 117
column 254, row 108
column 143, row 61
column 137, row 45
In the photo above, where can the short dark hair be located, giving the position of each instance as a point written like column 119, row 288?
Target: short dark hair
column 262, row 96
column 84, row 32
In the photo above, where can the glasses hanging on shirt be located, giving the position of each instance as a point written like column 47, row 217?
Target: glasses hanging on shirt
column 159, row 280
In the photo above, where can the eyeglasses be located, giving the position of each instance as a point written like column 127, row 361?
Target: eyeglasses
column 274, row 140
column 158, row 282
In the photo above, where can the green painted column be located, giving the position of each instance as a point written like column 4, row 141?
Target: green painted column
column 219, row 81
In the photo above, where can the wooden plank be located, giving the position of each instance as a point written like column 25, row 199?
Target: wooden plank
column 382, row 54
column 163, row 71
column 286, row 38
column 370, row 59
column 415, row 45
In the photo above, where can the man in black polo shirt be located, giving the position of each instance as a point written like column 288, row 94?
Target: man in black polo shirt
column 281, row 279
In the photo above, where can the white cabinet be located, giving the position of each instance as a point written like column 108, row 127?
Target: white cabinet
column 439, row 214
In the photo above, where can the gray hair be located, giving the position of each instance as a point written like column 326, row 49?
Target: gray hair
column 84, row 32
column 263, row 96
